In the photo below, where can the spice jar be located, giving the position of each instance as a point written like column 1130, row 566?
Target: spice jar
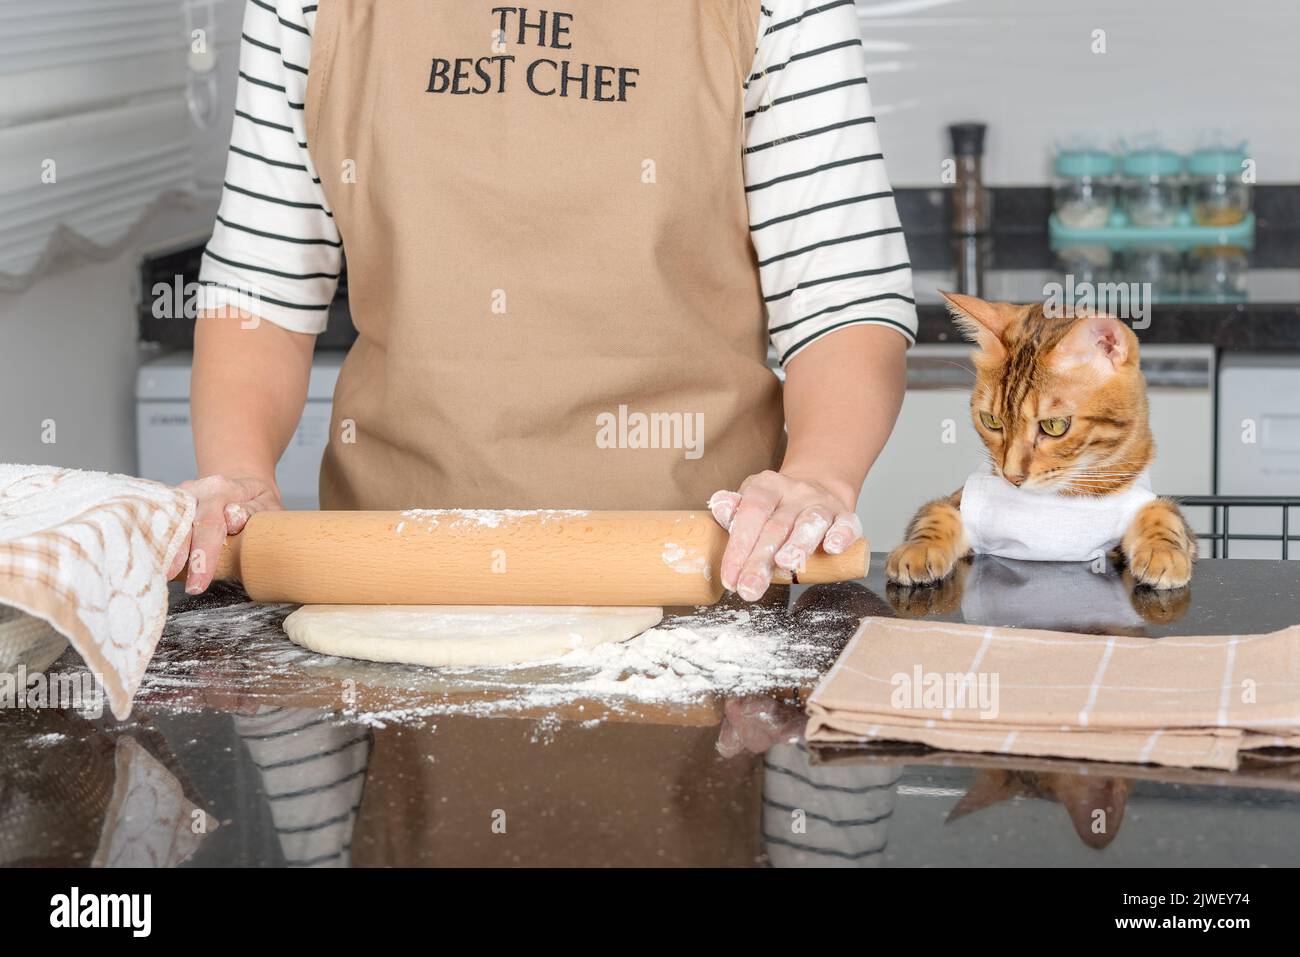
column 1151, row 187
column 1084, row 196
column 1160, row 268
column 1218, row 272
column 1220, row 197
column 1086, row 263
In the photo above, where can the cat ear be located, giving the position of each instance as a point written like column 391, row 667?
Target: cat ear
column 989, row 787
column 1100, row 342
column 1095, row 805
column 983, row 323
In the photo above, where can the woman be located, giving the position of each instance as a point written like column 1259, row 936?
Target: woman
column 570, row 238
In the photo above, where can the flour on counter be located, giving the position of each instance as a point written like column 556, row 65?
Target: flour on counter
column 236, row 654
column 722, row 652
column 688, row 659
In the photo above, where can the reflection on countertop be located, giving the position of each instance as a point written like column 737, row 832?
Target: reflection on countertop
column 246, row 750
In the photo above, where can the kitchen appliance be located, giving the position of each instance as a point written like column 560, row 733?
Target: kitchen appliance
column 1259, row 442
column 166, row 444
column 485, row 557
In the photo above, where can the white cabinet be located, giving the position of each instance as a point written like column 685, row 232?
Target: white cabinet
column 166, row 442
column 1259, row 445
column 933, row 448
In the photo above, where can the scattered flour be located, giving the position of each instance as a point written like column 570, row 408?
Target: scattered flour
column 481, row 517
column 218, row 655
column 714, row 652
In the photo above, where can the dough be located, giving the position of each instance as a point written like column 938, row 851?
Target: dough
column 461, row 635
column 27, row 642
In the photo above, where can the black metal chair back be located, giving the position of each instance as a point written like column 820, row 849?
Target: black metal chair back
column 1221, row 535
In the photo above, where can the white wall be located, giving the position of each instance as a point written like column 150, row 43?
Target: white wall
column 68, row 352
column 69, row 355
column 1025, row 67
column 68, row 348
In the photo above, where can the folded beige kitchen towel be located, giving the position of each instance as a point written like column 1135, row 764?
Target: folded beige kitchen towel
column 1179, row 701
column 88, row 552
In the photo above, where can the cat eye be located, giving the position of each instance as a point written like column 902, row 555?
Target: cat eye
column 991, row 421
column 1054, row 427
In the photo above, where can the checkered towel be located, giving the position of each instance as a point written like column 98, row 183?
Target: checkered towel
column 88, row 553
column 1183, row 702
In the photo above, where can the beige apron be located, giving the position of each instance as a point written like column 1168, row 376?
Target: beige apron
column 549, row 262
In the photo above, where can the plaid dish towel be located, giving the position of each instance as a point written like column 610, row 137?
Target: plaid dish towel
column 88, row 552
column 1178, row 701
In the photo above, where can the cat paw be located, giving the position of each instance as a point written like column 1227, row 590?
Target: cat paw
column 922, row 601
column 1158, row 565
column 1162, row 606
column 919, row 563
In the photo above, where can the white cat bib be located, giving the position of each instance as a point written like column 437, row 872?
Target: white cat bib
column 1001, row 519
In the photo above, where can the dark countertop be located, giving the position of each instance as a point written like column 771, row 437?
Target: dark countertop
column 300, row 759
column 1019, row 261
column 1267, row 319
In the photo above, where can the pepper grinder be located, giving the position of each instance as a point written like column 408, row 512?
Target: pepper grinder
column 971, row 213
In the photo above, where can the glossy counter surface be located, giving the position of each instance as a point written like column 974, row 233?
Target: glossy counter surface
column 246, row 750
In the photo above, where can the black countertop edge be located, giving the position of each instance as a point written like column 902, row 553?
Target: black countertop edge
column 924, row 209
column 1237, row 326
column 1030, row 248
column 1019, row 241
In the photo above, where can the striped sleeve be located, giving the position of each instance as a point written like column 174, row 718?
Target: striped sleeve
column 825, row 227
column 825, row 815
column 313, row 774
column 275, row 250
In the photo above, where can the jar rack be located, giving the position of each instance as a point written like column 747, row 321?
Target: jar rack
column 1119, row 233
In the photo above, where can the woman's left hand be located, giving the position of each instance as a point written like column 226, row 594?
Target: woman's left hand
column 776, row 520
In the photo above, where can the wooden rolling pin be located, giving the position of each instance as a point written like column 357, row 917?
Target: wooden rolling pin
column 426, row 557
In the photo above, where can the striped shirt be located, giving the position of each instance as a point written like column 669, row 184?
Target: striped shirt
column 825, row 229
column 313, row 772
column 827, row 814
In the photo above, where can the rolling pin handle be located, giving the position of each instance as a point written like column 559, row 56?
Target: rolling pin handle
column 822, row 568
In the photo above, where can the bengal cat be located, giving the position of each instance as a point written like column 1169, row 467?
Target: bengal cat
column 1061, row 406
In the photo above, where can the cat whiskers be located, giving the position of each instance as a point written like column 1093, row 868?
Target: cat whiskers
column 958, row 365
column 1084, row 472
column 1094, row 480
column 1093, row 486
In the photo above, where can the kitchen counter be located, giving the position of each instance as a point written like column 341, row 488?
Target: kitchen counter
column 1020, row 263
column 1266, row 318
column 1019, row 260
column 283, row 757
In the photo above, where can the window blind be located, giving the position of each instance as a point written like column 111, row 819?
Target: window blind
column 94, row 121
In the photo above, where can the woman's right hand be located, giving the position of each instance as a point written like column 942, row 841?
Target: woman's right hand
column 224, row 504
